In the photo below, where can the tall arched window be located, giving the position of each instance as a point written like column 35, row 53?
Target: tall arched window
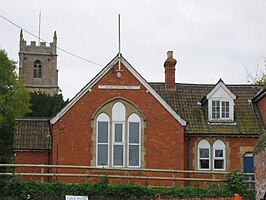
column 102, row 138
column 119, row 138
column 118, row 123
column 204, row 155
column 134, row 131
column 218, row 155
column 37, row 69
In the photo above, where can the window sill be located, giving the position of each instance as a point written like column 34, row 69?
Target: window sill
column 222, row 122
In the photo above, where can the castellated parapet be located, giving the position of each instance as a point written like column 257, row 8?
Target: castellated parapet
column 38, row 65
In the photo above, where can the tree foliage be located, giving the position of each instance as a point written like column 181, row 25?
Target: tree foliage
column 45, row 105
column 14, row 102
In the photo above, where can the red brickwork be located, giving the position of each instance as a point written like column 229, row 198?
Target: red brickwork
column 260, row 174
column 30, row 157
column 234, row 156
column 169, row 66
column 164, row 136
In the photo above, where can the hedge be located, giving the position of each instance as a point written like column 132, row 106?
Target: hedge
column 57, row 191
column 18, row 189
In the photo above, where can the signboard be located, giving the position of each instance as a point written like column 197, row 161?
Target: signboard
column 118, row 87
column 70, row 197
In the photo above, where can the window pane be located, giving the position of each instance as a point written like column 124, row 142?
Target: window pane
column 204, row 153
column 118, row 155
column 118, row 133
column 218, row 153
column 133, row 132
column 218, row 164
column 225, row 109
column 133, row 155
column 204, row 164
column 39, row 71
column 102, row 154
column 216, row 109
column 102, row 132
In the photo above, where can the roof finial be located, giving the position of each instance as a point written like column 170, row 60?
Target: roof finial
column 119, row 71
column 21, row 35
column 55, row 36
column 39, row 35
column 119, row 36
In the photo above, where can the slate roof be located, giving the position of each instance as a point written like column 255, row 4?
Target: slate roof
column 32, row 134
column 184, row 100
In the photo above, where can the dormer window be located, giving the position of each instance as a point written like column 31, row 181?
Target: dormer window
column 220, row 110
column 220, row 103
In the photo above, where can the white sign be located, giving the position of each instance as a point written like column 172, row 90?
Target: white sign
column 118, row 87
column 70, row 197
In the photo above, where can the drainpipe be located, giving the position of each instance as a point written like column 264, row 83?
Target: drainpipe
column 188, row 158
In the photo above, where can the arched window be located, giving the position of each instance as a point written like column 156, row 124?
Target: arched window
column 37, row 69
column 134, row 130
column 218, row 155
column 102, row 139
column 118, row 122
column 204, row 155
column 119, row 138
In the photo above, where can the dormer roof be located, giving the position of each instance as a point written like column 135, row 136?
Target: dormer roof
column 220, row 86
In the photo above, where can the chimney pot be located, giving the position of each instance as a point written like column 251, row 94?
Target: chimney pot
column 170, row 54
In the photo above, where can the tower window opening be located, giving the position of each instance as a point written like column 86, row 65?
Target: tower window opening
column 37, row 69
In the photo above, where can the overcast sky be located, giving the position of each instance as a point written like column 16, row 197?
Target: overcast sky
column 211, row 39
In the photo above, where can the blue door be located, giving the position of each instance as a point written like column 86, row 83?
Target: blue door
column 249, row 168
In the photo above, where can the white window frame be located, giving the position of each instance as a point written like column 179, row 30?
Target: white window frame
column 103, row 117
column 219, row 145
column 118, row 117
column 204, row 144
column 220, row 100
column 118, row 143
column 134, row 118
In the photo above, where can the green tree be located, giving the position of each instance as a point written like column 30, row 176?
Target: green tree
column 14, row 102
column 45, row 105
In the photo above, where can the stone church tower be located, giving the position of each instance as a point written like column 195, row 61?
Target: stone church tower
column 38, row 65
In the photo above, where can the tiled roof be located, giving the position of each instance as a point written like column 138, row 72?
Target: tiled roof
column 32, row 134
column 185, row 101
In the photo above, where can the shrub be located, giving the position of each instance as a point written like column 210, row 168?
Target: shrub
column 235, row 182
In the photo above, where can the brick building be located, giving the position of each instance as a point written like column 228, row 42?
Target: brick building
column 119, row 120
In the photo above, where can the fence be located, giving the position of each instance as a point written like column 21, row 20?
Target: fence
column 164, row 177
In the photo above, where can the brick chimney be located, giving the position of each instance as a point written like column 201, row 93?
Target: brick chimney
column 169, row 66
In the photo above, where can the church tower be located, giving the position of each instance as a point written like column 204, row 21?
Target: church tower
column 38, row 65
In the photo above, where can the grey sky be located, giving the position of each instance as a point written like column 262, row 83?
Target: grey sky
column 211, row 39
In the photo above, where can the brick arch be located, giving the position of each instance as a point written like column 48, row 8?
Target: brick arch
column 112, row 102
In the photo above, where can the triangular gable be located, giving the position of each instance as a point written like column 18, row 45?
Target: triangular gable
column 88, row 87
column 218, row 86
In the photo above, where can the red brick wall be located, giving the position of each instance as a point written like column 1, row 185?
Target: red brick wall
column 30, row 157
column 233, row 146
column 234, row 156
column 164, row 136
column 262, row 107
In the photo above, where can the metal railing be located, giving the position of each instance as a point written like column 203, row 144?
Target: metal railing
column 42, row 172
